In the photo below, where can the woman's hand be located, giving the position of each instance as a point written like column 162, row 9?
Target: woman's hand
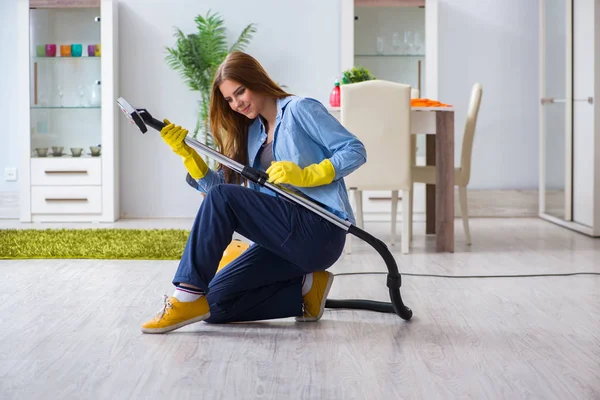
column 174, row 136
column 291, row 174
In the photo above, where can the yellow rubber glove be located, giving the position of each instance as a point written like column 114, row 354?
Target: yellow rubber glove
column 290, row 173
column 174, row 136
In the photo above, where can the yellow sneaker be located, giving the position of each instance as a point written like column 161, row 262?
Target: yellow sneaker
column 176, row 314
column 313, row 303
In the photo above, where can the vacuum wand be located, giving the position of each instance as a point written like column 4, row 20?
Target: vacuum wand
column 142, row 118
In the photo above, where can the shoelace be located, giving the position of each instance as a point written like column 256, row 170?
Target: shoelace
column 305, row 312
column 167, row 304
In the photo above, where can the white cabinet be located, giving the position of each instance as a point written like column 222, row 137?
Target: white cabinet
column 68, row 81
column 569, row 114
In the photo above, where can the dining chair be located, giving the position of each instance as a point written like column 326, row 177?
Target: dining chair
column 378, row 113
column 462, row 174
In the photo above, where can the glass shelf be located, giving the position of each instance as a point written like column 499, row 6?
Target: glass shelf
column 66, row 58
column 389, row 55
column 64, row 108
column 65, row 155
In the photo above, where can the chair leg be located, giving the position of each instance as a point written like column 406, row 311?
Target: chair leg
column 413, row 163
column 359, row 208
column 405, row 221
column 411, row 205
column 413, row 150
column 357, row 194
column 462, row 193
column 394, row 215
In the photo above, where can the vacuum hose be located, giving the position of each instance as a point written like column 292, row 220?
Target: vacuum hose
column 394, row 281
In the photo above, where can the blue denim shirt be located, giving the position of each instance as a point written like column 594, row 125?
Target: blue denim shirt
column 305, row 133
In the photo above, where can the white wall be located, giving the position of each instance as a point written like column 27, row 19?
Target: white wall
column 494, row 42
column 9, row 145
column 304, row 59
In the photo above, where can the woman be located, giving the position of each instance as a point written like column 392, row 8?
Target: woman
column 302, row 148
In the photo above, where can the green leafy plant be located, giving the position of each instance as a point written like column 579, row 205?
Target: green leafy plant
column 357, row 74
column 198, row 55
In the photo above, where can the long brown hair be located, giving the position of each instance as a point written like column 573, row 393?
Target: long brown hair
column 230, row 128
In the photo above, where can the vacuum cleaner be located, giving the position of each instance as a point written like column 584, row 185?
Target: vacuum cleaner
column 142, row 118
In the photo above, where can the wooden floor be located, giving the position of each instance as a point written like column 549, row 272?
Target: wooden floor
column 69, row 329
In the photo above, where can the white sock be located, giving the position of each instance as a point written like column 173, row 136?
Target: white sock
column 307, row 284
column 185, row 294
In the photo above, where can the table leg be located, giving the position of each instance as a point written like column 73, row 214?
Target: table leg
column 430, row 189
column 444, row 188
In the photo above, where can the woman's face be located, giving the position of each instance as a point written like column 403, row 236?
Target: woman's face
column 241, row 99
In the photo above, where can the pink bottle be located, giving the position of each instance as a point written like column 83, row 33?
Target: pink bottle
column 334, row 97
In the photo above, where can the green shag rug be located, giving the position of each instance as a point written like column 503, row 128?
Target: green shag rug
column 122, row 244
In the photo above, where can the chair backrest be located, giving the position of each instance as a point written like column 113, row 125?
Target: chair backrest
column 378, row 113
column 414, row 93
column 469, row 133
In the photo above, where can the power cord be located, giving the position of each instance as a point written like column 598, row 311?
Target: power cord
column 471, row 276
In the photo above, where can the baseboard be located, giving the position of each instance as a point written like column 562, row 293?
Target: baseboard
column 9, row 205
column 481, row 204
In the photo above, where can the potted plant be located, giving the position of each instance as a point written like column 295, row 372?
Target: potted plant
column 198, row 55
column 357, row 74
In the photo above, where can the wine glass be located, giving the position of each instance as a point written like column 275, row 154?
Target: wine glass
column 408, row 41
column 60, row 94
column 380, row 44
column 396, row 42
column 81, row 94
column 42, row 99
column 417, row 42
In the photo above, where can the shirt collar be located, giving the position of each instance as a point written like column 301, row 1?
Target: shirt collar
column 281, row 103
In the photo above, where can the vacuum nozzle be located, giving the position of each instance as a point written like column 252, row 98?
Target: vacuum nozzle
column 139, row 116
column 132, row 114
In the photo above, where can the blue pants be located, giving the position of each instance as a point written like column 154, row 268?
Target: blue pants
column 265, row 282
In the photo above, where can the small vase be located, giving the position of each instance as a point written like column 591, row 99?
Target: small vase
column 50, row 50
column 65, row 50
column 76, row 50
column 95, row 95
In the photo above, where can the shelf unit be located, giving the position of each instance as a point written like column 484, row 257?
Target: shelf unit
column 68, row 102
